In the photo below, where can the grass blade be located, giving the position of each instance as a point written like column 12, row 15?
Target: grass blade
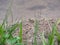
column 20, row 33
column 11, row 29
column 51, row 36
column 57, row 33
column 43, row 39
column 35, row 32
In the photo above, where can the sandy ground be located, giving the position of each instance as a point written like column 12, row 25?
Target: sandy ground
column 30, row 8
column 43, row 25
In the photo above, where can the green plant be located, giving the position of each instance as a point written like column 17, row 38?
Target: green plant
column 58, row 37
column 20, row 33
column 52, row 35
column 36, row 28
column 6, row 34
column 43, row 39
column 20, row 42
column 57, row 33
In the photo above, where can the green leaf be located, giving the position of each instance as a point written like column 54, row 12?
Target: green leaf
column 1, row 30
column 52, row 34
column 20, row 33
column 36, row 28
column 43, row 39
column 19, row 44
column 11, row 29
column 11, row 41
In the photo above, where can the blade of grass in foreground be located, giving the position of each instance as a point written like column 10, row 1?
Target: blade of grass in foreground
column 43, row 39
column 2, row 31
column 20, row 33
column 51, row 36
column 11, row 29
column 2, row 39
column 58, row 37
column 35, row 32
column 57, row 33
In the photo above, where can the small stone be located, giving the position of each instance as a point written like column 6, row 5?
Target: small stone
column 31, row 20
